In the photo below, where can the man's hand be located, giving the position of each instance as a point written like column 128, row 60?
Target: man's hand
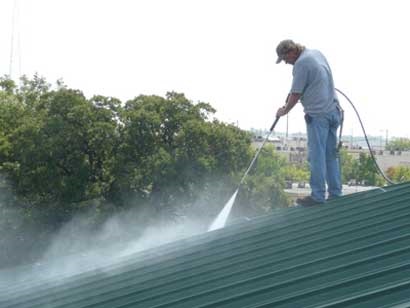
column 281, row 112
column 291, row 101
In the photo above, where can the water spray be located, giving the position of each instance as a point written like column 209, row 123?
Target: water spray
column 222, row 217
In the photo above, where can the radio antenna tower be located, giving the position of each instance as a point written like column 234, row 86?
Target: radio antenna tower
column 15, row 48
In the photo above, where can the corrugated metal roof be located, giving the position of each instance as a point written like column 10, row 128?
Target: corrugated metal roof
column 350, row 252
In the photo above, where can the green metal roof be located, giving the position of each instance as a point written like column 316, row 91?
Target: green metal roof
column 349, row 252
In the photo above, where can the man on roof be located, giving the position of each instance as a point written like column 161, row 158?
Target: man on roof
column 313, row 86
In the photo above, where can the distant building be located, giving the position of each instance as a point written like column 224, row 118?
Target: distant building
column 295, row 149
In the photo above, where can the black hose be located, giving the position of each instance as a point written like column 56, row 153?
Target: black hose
column 379, row 170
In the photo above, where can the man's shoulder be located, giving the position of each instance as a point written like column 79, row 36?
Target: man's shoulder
column 310, row 57
column 310, row 54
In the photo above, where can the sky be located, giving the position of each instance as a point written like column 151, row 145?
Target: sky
column 217, row 51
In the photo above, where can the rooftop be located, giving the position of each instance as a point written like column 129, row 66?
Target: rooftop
column 350, row 252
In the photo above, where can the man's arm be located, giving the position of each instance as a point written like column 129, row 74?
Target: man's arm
column 291, row 101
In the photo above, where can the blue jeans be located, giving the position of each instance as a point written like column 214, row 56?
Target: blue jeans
column 322, row 155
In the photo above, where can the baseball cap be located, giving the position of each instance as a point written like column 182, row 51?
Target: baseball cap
column 283, row 48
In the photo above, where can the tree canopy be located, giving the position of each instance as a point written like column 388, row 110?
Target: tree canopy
column 62, row 154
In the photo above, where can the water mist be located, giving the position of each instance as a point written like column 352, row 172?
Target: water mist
column 222, row 217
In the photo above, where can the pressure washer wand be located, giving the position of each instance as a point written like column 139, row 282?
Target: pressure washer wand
column 260, row 148
column 220, row 220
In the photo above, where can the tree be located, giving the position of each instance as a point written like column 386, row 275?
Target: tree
column 61, row 148
column 170, row 148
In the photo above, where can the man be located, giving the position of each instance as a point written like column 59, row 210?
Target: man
column 313, row 85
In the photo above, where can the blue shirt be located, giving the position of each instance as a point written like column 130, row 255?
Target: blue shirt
column 312, row 78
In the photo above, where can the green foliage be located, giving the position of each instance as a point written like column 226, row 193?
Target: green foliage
column 399, row 144
column 56, row 147
column 348, row 165
column 364, row 171
column 7, row 85
column 297, row 173
column 265, row 184
column 169, row 149
column 61, row 151
column 399, row 173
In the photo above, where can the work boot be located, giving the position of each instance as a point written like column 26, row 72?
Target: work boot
column 307, row 201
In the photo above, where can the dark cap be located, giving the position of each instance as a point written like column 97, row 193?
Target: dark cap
column 283, row 48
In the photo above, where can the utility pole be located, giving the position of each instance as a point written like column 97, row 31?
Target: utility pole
column 387, row 137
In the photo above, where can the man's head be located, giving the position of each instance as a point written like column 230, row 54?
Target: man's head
column 288, row 51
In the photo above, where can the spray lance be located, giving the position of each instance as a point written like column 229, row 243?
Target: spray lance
column 257, row 152
column 220, row 220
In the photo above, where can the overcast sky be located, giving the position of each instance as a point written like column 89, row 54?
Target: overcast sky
column 217, row 51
